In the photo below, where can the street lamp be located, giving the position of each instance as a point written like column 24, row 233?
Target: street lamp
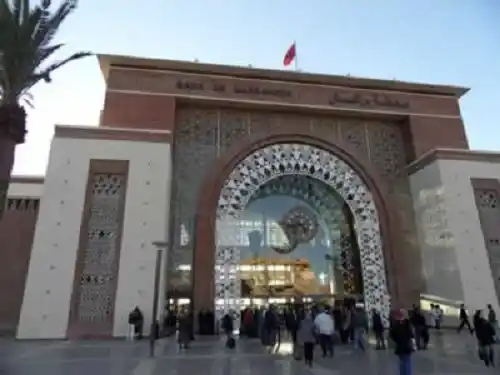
column 160, row 246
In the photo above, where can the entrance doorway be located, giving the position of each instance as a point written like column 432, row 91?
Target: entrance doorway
column 295, row 220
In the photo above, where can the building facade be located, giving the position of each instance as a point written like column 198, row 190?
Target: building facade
column 268, row 187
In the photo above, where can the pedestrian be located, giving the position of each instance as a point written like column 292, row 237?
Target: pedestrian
column 306, row 338
column 326, row 329
column 228, row 328
column 360, row 327
column 402, row 336
column 136, row 320
column 183, row 330
column 420, row 328
column 485, row 335
column 378, row 330
column 492, row 319
column 464, row 320
column 436, row 316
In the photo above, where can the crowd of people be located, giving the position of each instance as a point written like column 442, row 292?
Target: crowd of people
column 407, row 331
column 325, row 326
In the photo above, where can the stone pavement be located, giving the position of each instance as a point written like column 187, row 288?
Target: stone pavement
column 449, row 354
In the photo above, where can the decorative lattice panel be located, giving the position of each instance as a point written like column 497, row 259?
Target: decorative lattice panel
column 96, row 290
column 487, row 199
column 487, row 202
column 280, row 160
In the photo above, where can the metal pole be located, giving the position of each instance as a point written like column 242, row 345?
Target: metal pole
column 154, row 315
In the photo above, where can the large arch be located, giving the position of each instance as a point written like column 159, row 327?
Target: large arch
column 281, row 159
column 402, row 293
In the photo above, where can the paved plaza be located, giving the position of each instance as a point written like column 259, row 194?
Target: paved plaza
column 449, row 354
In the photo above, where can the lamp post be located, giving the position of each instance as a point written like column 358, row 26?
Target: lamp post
column 160, row 246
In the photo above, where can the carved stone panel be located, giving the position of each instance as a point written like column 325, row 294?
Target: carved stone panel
column 353, row 132
column 96, row 270
column 195, row 150
column 262, row 123
column 327, row 126
column 386, row 148
column 487, row 195
column 203, row 135
column 233, row 124
column 96, row 281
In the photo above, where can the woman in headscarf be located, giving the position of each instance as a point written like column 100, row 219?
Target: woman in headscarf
column 306, row 337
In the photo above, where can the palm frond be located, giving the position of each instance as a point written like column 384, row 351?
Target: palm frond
column 46, row 72
column 26, row 35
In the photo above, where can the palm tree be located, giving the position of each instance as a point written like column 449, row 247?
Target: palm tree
column 26, row 48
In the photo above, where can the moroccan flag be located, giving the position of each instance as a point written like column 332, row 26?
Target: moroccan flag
column 290, row 55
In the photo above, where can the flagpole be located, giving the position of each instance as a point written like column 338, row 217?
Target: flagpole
column 296, row 60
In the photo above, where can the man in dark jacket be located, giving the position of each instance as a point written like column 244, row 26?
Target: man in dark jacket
column 420, row 328
column 136, row 319
column 485, row 335
column 464, row 320
column 378, row 330
column 402, row 336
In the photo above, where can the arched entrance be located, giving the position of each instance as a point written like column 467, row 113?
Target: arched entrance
column 310, row 166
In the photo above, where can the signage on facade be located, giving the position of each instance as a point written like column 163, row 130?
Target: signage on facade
column 337, row 98
column 235, row 89
column 368, row 100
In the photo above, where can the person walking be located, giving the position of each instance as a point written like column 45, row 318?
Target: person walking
column 360, row 327
column 378, row 330
column 492, row 319
column 136, row 320
column 325, row 328
column 183, row 330
column 464, row 320
column 402, row 336
column 306, row 338
column 436, row 316
column 485, row 335
column 228, row 328
column 420, row 328
column 271, row 328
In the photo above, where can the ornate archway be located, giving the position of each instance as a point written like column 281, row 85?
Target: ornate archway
column 270, row 162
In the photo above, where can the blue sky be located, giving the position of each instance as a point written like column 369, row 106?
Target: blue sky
column 435, row 41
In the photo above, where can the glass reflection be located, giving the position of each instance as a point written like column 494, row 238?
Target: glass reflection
column 295, row 239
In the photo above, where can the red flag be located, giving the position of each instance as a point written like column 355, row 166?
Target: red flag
column 290, row 55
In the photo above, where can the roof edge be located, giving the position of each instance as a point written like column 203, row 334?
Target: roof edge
column 27, row 179
column 452, row 154
column 132, row 62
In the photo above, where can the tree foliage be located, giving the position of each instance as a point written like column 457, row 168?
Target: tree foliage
column 27, row 46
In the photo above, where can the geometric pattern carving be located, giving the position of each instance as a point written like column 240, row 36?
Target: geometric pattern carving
column 487, row 203
column 320, row 197
column 96, row 291
column 204, row 134
column 279, row 160
column 487, row 198
column 387, row 148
